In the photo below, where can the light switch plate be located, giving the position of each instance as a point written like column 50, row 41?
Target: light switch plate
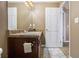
column 76, row 20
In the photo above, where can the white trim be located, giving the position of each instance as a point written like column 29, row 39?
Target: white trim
column 64, row 26
column 66, row 41
column 69, row 29
column 62, row 4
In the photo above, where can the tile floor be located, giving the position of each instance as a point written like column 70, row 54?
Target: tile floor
column 65, row 50
column 46, row 53
column 56, row 53
column 53, row 53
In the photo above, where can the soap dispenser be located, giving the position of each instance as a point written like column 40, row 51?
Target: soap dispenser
column 30, row 27
column 34, row 29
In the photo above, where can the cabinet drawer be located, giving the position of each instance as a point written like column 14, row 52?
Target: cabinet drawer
column 18, row 48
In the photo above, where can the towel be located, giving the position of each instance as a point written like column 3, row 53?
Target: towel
column 27, row 47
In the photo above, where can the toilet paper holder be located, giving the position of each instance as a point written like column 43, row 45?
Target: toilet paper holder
column 30, row 42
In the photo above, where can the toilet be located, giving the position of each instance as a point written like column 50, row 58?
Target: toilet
column 1, row 52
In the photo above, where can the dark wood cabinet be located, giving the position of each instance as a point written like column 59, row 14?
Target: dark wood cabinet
column 16, row 49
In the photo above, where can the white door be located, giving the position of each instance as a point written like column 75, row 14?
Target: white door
column 53, row 27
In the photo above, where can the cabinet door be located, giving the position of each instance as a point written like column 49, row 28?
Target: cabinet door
column 19, row 48
column 11, row 47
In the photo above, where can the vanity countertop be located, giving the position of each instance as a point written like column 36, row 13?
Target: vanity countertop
column 26, row 34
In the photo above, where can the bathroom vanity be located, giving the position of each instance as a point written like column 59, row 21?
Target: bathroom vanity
column 16, row 41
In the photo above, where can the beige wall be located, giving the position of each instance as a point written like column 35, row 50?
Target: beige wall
column 3, row 28
column 38, row 14
column 74, row 29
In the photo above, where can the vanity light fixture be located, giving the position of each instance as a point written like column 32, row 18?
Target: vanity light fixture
column 26, row 4
column 29, row 4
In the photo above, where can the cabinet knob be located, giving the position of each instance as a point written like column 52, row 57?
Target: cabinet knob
column 33, row 42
